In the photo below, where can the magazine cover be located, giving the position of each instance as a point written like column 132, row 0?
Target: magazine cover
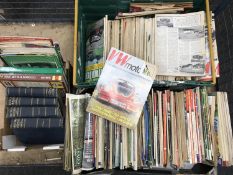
column 94, row 50
column 122, row 89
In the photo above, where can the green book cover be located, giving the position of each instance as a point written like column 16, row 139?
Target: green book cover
column 30, row 70
column 32, row 60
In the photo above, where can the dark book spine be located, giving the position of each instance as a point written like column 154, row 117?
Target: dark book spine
column 27, row 101
column 13, row 112
column 36, row 123
column 31, row 92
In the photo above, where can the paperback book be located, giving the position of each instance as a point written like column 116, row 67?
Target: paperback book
column 122, row 88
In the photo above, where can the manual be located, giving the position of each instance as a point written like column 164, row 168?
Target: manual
column 122, row 89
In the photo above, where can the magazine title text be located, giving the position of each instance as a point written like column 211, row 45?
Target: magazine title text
column 123, row 59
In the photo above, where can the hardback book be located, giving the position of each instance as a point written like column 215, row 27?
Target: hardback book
column 30, row 101
column 21, row 123
column 32, row 92
column 21, row 41
column 122, row 89
column 32, row 60
column 34, row 80
column 23, row 55
column 30, row 70
column 40, row 136
column 30, row 111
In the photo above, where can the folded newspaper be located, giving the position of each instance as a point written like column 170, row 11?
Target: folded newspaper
column 122, row 89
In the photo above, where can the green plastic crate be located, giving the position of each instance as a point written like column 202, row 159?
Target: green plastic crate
column 93, row 10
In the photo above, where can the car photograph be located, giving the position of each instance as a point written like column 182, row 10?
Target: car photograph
column 119, row 94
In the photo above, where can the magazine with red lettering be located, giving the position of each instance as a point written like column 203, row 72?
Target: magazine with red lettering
column 122, row 89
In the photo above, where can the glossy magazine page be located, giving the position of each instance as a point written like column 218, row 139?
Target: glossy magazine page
column 122, row 89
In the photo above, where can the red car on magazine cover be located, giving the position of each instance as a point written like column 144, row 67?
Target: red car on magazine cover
column 120, row 94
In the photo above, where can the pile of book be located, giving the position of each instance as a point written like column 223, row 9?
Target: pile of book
column 36, row 78
column 35, row 114
column 32, row 62
column 176, row 129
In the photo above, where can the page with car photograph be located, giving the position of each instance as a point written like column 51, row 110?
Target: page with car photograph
column 180, row 44
column 122, row 89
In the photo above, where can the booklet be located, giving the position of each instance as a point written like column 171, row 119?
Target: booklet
column 122, row 89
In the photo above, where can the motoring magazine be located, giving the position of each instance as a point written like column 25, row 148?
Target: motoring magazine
column 95, row 52
column 122, row 88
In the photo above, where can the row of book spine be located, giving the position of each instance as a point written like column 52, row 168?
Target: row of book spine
column 34, row 108
column 176, row 129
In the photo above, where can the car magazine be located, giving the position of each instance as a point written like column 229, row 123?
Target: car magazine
column 95, row 50
column 122, row 89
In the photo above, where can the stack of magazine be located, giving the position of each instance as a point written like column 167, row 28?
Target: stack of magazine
column 176, row 43
column 31, row 62
column 126, row 124
column 175, row 130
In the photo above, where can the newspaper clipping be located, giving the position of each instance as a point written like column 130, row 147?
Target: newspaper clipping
column 180, row 44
